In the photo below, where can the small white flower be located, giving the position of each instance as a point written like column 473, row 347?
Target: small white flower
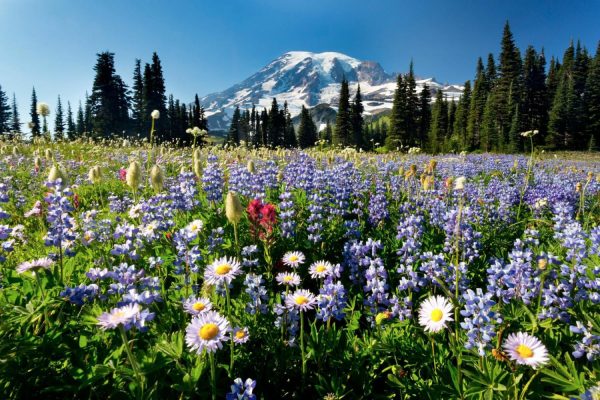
column 459, row 183
column 293, row 259
column 155, row 114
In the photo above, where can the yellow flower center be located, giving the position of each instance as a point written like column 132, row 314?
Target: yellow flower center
column 293, row 258
column 301, row 300
column 198, row 306
column 287, row 278
column 87, row 237
column 120, row 314
column 436, row 315
column 223, row 269
column 320, row 268
column 524, row 351
column 208, row 331
column 240, row 334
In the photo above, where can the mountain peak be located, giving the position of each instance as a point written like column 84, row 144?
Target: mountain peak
column 304, row 78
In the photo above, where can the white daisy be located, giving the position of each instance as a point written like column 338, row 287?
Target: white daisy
column 434, row 313
column 301, row 300
column 240, row 335
column 293, row 259
column 34, row 265
column 207, row 332
column 222, row 270
column 118, row 316
column 194, row 227
column 525, row 349
column 197, row 305
column 288, row 278
column 320, row 269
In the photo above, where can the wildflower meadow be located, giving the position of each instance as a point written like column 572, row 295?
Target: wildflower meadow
column 131, row 271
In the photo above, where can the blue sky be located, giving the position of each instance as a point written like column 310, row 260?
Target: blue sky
column 206, row 46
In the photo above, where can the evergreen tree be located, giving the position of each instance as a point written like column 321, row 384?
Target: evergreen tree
column 4, row 113
column 534, row 108
column 71, row 129
column 412, row 109
column 490, row 136
column 397, row 128
column 356, row 119
column 87, row 116
column 592, row 100
column 477, row 107
column 342, row 135
column 157, row 98
column 327, row 133
column 108, row 102
column 290, row 134
column 552, row 79
column 15, row 120
column 139, row 114
column 80, row 121
column 307, row 130
column 490, row 71
column 233, row 137
column 275, row 126
column 451, row 118
column 424, row 116
column 59, row 121
column 560, row 123
column 35, row 119
column 439, row 123
column 462, row 116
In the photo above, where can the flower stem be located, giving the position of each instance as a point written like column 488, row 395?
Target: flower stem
column 302, row 344
column 132, row 361
column 228, row 299
column 213, row 376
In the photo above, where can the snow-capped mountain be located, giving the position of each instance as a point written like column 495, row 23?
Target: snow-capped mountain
column 309, row 79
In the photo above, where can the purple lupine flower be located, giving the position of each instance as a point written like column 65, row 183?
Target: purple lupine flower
column 479, row 319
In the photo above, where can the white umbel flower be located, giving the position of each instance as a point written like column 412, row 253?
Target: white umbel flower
column 526, row 349
column 434, row 313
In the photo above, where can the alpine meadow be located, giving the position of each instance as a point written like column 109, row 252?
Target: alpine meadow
column 323, row 228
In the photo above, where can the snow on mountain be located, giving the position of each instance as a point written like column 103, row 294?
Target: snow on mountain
column 309, row 79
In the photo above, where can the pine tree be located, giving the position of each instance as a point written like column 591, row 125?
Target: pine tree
column 439, row 123
column 424, row 116
column 15, row 120
column 462, row 116
column 490, row 136
column 552, row 79
column 87, row 116
column 356, row 119
column 560, row 124
column 4, row 113
column 534, row 109
column 80, row 121
column 490, row 71
column 327, row 133
column 139, row 114
column 397, row 131
column 71, row 129
column 451, row 118
column 233, row 137
column 342, row 135
column 35, row 118
column 307, row 130
column 59, row 121
column 157, row 98
column 592, row 100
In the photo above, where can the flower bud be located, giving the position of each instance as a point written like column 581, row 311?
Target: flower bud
column 251, row 166
column 56, row 173
column 15, row 151
column 94, row 175
column 233, row 208
column 542, row 263
column 197, row 166
column 37, row 162
column 48, row 154
column 157, row 178
column 133, row 175
column 155, row 114
column 196, row 155
column 459, row 183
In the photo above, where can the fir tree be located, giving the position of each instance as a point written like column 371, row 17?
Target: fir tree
column 424, row 116
column 327, row 133
column 490, row 71
column 35, row 119
column 138, row 113
column 4, row 113
column 290, row 134
column 80, row 121
column 397, row 128
column 356, row 119
column 342, row 135
column 233, row 137
column 59, row 121
column 15, row 120
column 412, row 109
column 560, row 123
column 71, row 129
column 87, row 116
column 462, row 116
column 477, row 107
column 490, row 136
column 439, row 123
column 534, row 108
column 307, row 130
column 592, row 100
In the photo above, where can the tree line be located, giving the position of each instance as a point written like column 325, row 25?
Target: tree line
column 113, row 110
